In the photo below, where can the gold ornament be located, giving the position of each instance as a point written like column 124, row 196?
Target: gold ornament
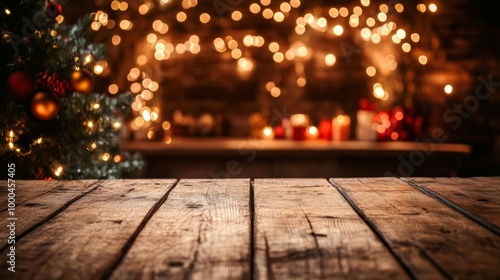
column 44, row 106
column 82, row 81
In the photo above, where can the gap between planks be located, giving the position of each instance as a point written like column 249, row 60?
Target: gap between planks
column 56, row 212
column 123, row 252
column 434, row 195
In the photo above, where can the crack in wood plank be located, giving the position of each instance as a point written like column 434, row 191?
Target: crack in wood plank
column 192, row 263
column 318, row 254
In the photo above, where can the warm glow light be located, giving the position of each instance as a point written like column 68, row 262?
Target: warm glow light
column 401, row 33
column 330, row 59
column 344, row 12
column 382, row 17
column 378, row 92
column 338, row 30
column 406, row 47
column 181, row 16
column 366, row 33
column 98, row 69
column 141, row 60
column 301, row 82
column 113, row 88
column 255, row 8
column 245, row 65
column 333, row 12
column 357, row 11
column 267, row 132
column 415, row 37
column 267, row 13
column 371, row 71
column 421, row 8
column 275, row 92
column 279, row 17
column 204, row 18
column 394, row 136
column 125, row 24
column 274, row 47
column 422, row 59
column 448, row 89
column 143, row 9
column 236, row 53
column 278, row 57
column 285, row 7
column 432, row 7
column 300, row 29
column 365, row 3
column 396, row 39
column 116, row 39
column 295, row 3
column 376, row 38
column 270, row 86
column 370, row 22
column 265, row 2
column 399, row 7
column 236, row 15
column 399, row 116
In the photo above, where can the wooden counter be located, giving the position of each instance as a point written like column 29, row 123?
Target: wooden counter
column 251, row 158
column 340, row 228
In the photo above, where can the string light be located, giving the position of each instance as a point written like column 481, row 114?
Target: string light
column 375, row 26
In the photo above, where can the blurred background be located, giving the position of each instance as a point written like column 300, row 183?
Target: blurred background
column 205, row 73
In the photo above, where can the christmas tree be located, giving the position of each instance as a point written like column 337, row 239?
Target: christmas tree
column 53, row 126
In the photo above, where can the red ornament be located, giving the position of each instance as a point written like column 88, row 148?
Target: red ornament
column 53, row 82
column 21, row 84
column 53, row 9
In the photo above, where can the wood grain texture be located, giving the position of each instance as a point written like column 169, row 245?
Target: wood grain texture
column 38, row 201
column 86, row 238
column 434, row 240
column 479, row 196
column 29, row 189
column 202, row 231
column 304, row 229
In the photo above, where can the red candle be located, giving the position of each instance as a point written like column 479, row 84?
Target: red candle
column 279, row 132
column 299, row 124
column 325, row 129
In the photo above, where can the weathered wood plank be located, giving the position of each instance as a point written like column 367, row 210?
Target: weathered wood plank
column 202, row 231
column 85, row 239
column 29, row 189
column 479, row 196
column 36, row 206
column 433, row 240
column 304, row 229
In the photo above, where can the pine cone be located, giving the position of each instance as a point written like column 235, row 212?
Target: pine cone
column 53, row 82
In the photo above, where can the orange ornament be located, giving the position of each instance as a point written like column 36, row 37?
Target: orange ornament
column 82, row 81
column 44, row 106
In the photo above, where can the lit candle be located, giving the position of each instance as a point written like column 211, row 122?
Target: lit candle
column 279, row 132
column 267, row 133
column 341, row 126
column 299, row 123
column 312, row 132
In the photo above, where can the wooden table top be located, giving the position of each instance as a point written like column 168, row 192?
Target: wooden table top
column 340, row 228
